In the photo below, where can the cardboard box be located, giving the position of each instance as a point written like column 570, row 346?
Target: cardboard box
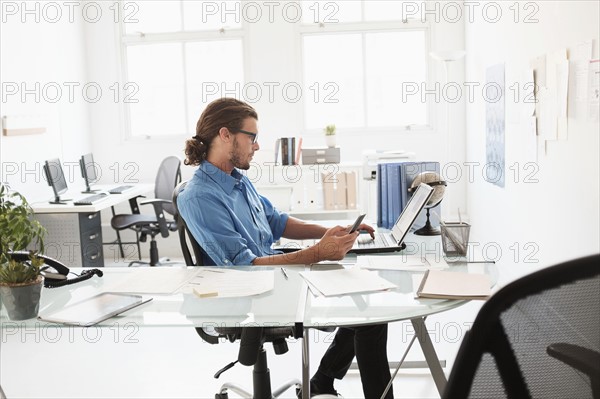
column 312, row 156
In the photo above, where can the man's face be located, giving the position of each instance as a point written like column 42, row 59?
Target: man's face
column 243, row 149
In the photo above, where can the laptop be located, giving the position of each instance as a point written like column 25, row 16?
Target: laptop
column 392, row 241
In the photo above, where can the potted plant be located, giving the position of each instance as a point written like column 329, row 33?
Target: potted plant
column 330, row 135
column 20, row 281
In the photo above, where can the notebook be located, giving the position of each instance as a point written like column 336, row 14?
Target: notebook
column 392, row 241
column 95, row 309
column 454, row 285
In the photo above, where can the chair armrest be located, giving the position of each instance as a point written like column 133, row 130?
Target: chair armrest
column 160, row 214
column 583, row 359
column 133, row 204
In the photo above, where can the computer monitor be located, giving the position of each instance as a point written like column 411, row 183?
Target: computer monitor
column 88, row 172
column 56, row 179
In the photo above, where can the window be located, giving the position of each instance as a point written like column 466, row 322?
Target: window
column 179, row 56
column 357, row 63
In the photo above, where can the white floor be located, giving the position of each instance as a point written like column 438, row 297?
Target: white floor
column 151, row 363
column 125, row 361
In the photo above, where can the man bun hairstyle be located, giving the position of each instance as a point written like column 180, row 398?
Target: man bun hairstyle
column 223, row 112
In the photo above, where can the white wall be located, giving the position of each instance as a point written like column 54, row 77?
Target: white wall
column 273, row 55
column 84, row 52
column 48, row 55
column 559, row 214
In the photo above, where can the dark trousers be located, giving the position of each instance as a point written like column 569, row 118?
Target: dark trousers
column 369, row 344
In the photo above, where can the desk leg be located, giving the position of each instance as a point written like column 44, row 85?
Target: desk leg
column 430, row 356
column 305, row 365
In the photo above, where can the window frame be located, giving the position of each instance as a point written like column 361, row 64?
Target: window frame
column 182, row 37
column 364, row 28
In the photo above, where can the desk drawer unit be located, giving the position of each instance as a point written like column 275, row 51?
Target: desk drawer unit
column 74, row 238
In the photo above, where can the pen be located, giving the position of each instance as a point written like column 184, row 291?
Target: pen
column 284, row 273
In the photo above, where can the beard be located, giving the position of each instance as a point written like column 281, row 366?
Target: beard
column 237, row 158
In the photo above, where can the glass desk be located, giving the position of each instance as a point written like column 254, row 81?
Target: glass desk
column 276, row 307
column 389, row 306
column 289, row 303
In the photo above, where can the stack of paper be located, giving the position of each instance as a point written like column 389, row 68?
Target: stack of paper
column 345, row 281
column 226, row 283
column 202, row 281
column 401, row 262
column 454, row 285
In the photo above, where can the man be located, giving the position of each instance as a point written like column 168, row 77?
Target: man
column 236, row 226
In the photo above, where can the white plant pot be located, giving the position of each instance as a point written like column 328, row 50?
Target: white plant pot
column 330, row 141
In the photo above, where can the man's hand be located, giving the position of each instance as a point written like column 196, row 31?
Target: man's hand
column 335, row 244
column 368, row 229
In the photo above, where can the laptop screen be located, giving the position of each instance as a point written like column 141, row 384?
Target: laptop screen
column 411, row 211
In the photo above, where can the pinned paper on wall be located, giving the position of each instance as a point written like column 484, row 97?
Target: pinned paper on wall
column 562, row 87
column 554, row 98
column 579, row 65
column 495, row 115
column 594, row 91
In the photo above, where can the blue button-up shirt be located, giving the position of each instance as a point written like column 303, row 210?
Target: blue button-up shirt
column 232, row 223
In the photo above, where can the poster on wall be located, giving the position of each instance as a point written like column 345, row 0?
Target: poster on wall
column 495, row 124
column 594, row 96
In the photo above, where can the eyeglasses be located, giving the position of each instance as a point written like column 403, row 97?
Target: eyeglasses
column 254, row 135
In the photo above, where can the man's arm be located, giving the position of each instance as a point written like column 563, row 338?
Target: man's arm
column 296, row 229
column 334, row 245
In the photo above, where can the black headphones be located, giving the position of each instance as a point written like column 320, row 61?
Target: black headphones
column 58, row 276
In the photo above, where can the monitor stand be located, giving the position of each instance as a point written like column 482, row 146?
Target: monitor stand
column 58, row 201
column 88, row 190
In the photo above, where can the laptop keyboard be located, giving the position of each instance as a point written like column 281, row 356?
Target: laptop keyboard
column 90, row 199
column 119, row 189
column 381, row 240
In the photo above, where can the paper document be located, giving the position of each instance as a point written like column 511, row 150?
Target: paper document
column 346, row 281
column 226, row 283
column 400, row 262
column 153, row 280
column 454, row 285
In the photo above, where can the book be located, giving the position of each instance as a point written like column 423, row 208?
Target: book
column 288, row 150
column 277, row 146
column 328, row 192
column 298, row 152
column 454, row 285
column 383, row 199
column 379, row 194
column 351, row 189
column 340, row 191
column 393, row 171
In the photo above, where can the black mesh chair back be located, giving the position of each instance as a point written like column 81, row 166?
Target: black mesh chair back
column 251, row 339
column 538, row 337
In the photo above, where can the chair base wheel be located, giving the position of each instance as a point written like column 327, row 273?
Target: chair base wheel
column 222, row 396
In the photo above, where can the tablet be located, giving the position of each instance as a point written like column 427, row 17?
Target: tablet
column 95, row 309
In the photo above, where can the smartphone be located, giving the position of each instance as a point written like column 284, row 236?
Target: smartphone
column 357, row 223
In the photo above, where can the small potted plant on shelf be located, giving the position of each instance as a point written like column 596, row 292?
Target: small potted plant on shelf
column 20, row 281
column 330, row 135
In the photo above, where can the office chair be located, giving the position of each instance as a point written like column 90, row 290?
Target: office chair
column 169, row 174
column 539, row 336
column 252, row 352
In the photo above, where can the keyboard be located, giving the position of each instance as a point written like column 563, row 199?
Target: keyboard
column 90, row 199
column 119, row 189
column 380, row 241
